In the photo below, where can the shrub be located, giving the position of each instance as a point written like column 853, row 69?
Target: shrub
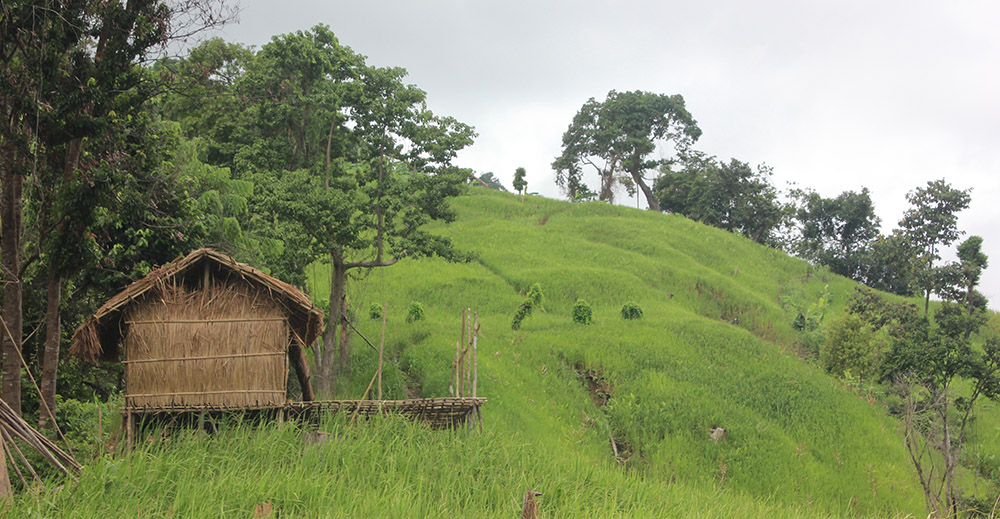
column 536, row 296
column 582, row 313
column 375, row 311
column 853, row 346
column 415, row 313
column 631, row 310
column 523, row 311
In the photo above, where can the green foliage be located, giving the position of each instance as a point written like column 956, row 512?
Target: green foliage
column 523, row 312
column 930, row 225
column 836, row 232
column 415, row 312
column 631, row 310
column 520, row 184
column 731, row 196
column 582, row 313
column 853, row 347
column 536, row 296
column 375, row 311
column 617, row 137
column 491, row 181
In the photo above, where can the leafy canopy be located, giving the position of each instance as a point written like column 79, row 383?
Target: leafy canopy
column 618, row 137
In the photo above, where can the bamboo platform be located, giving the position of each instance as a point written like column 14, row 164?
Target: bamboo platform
column 439, row 413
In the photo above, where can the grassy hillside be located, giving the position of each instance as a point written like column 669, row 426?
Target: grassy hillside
column 716, row 348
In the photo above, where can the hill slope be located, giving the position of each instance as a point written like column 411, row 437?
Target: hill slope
column 715, row 348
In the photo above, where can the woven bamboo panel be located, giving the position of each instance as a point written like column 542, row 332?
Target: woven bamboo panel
column 223, row 345
column 440, row 413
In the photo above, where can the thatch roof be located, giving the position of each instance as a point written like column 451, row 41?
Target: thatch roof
column 98, row 337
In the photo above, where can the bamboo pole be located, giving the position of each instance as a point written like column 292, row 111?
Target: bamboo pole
column 6, row 492
column 363, row 397
column 468, row 353
column 381, row 349
column 461, row 358
column 475, row 355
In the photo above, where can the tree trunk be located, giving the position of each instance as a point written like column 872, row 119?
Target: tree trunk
column 651, row 201
column 325, row 362
column 50, row 361
column 950, row 463
column 11, row 185
column 607, row 193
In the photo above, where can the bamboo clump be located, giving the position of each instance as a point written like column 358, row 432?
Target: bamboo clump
column 223, row 344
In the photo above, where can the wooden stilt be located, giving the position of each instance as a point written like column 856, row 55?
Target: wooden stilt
column 128, row 430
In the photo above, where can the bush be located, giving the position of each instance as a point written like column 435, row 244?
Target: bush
column 523, row 311
column 375, row 311
column 582, row 313
column 415, row 313
column 853, row 347
column 631, row 311
column 536, row 296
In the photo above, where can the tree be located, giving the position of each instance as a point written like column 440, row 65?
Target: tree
column 69, row 73
column 836, row 232
column 520, row 184
column 889, row 264
column 931, row 224
column 347, row 163
column 926, row 359
column 728, row 195
column 616, row 137
column 490, row 181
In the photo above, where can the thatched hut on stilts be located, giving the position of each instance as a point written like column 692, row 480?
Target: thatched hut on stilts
column 204, row 333
column 207, row 333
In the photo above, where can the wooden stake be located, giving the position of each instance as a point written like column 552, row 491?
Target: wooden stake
column 466, row 361
column 475, row 355
column 461, row 358
column 381, row 349
column 128, row 430
column 6, row 492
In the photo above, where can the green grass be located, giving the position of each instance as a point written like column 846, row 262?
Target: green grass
column 715, row 347
column 387, row 468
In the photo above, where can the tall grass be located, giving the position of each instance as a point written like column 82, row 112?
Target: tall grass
column 383, row 468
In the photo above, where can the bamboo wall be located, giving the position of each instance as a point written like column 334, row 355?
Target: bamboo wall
column 219, row 345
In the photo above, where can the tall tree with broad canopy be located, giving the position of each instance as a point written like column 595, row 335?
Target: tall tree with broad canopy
column 346, row 159
column 836, row 232
column 618, row 138
column 930, row 225
column 728, row 195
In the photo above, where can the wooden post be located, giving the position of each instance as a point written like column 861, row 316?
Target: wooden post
column 128, row 430
column 461, row 358
column 466, row 361
column 381, row 349
column 6, row 492
column 475, row 355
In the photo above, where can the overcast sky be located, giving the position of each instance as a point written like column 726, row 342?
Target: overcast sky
column 835, row 97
